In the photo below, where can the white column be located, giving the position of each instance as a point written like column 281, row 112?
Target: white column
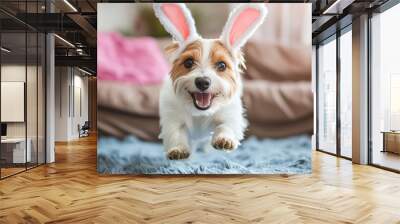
column 314, row 90
column 360, row 90
column 50, row 92
column 50, row 99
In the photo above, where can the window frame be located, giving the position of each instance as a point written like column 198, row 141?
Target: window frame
column 334, row 37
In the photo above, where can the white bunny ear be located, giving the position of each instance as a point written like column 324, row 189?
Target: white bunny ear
column 177, row 20
column 242, row 23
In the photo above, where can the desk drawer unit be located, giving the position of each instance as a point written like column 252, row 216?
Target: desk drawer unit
column 391, row 142
column 14, row 153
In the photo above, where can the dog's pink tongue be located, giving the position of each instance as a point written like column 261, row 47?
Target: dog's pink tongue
column 203, row 99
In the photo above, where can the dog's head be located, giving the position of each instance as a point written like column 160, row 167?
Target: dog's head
column 206, row 72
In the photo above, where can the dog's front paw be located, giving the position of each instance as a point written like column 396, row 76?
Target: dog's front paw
column 178, row 152
column 222, row 142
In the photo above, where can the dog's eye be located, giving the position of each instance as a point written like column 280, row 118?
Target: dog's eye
column 188, row 63
column 221, row 66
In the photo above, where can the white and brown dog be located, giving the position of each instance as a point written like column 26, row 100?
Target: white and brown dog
column 200, row 101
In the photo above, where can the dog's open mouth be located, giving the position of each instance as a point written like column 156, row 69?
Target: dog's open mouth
column 202, row 100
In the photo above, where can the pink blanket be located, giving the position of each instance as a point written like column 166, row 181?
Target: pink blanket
column 132, row 60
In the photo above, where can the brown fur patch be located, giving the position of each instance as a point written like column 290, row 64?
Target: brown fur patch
column 219, row 53
column 170, row 48
column 222, row 143
column 194, row 51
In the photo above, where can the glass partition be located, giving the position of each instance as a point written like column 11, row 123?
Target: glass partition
column 32, row 87
column 327, row 96
column 346, row 93
column 14, row 153
column 22, row 77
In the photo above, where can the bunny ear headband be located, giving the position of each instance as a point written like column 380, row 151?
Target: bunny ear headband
column 242, row 23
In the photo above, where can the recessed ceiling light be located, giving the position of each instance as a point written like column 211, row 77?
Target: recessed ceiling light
column 84, row 71
column 337, row 7
column 5, row 50
column 70, row 5
column 64, row 40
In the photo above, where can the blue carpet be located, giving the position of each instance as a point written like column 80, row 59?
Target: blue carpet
column 290, row 155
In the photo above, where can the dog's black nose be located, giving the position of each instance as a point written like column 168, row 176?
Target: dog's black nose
column 202, row 83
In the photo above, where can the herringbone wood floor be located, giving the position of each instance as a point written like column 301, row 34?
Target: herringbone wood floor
column 70, row 191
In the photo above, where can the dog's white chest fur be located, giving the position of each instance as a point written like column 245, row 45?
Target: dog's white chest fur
column 199, row 127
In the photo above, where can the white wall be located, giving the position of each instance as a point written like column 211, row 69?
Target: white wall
column 34, row 125
column 14, row 73
column 62, row 81
column 70, row 83
column 79, row 117
column 17, row 73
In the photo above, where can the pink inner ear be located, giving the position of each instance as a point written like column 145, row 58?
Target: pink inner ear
column 242, row 23
column 176, row 16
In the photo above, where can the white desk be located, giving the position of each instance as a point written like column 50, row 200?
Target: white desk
column 18, row 150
